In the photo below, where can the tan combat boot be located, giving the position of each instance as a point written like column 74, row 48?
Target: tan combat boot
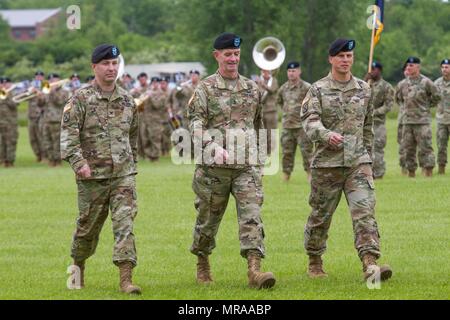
column 411, row 173
column 256, row 278
column 404, row 171
column 368, row 260
column 315, row 269
column 286, row 177
column 203, row 270
column 126, row 285
column 441, row 169
column 309, row 177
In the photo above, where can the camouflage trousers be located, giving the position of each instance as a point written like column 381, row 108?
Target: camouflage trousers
column 270, row 120
column 37, row 145
column 327, row 186
column 401, row 147
column 141, row 137
column 9, row 135
column 418, row 136
column 213, row 187
column 153, row 131
column 443, row 134
column 95, row 199
column 290, row 138
column 379, row 165
column 52, row 132
column 166, row 143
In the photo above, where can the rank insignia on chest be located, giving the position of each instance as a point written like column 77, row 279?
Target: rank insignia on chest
column 66, row 117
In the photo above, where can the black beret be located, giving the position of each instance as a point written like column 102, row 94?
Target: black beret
column 227, row 40
column 194, row 71
column 142, row 74
column 52, row 75
column 75, row 75
column 377, row 65
column 166, row 79
column 90, row 78
column 341, row 45
column 6, row 79
column 413, row 60
column 445, row 61
column 39, row 73
column 155, row 79
column 293, row 65
column 105, row 52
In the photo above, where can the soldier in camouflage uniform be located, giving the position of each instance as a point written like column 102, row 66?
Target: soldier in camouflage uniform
column 166, row 144
column 417, row 94
column 99, row 133
column 141, row 92
column 400, row 118
column 268, row 85
column 35, row 111
column 54, row 106
column 289, row 99
column 181, row 94
column 154, row 114
column 443, row 115
column 225, row 101
column 9, row 129
column 337, row 116
column 383, row 101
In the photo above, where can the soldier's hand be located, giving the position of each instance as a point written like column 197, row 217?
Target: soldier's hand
column 84, row 172
column 367, row 77
column 220, row 155
column 335, row 140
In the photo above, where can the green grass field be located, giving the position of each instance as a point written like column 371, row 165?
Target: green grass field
column 38, row 208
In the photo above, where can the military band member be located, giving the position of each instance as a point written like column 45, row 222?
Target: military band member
column 35, row 113
column 9, row 127
column 337, row 116
column 289, row 100
column 227, row 101
column 99, row 133
column 383, row 100
column 443, row 115
column 418, row 94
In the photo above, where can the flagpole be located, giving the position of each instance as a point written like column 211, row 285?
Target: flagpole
column 372, row 42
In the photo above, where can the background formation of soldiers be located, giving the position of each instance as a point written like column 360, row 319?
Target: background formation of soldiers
column 162, row 110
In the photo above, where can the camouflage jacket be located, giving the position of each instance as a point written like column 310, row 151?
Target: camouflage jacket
column 290, row 99
column 417, row 96
column 401, row 109
column 155, row 110
column 215, row 106
column 179, row 98
column 269, row 95
column 54, row 105
column 443, row 110
column 101, row 132
column 383, row 100
column 8, row 112
column 36, row 107
column 345, row 109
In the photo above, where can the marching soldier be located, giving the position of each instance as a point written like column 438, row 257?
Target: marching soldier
column 227, row 101
column 166, row 144
column 9, row 128
column 383, row 101
column 54, row 105
column 401, row 115
column 182, row 93
column 417, row 94
column 290, row 97
column 268, row 85
column 141, row 91
column 35, row 112
column 99, row 132
column 337, row 116
column 443, row 115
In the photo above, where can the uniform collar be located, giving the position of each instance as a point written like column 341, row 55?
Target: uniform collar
column 221, row 84
column 99, row 93
column 351, row 85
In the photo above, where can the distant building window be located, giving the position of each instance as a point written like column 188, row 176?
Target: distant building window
column 33, row 34
column 17, row 33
